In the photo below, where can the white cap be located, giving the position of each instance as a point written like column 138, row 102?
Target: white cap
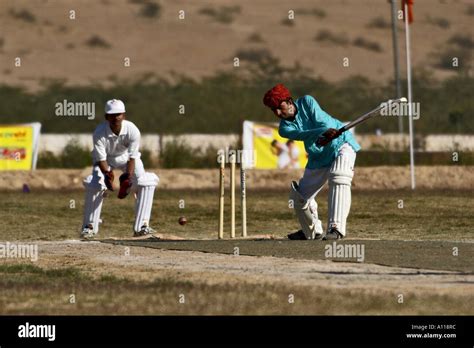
column 114, row 106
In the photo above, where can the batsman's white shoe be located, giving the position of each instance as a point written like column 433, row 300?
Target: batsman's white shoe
column 88, row 232
column 144, row 231
column 333, row 234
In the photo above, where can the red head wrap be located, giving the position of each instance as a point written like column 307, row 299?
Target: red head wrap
column 276, row 95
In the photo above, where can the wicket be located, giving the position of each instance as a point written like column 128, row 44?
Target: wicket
column 243, row 203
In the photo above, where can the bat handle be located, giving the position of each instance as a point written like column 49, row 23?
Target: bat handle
column 339, row 132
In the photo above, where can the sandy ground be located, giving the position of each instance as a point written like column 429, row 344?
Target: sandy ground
column 379, row 178
column 99, row 259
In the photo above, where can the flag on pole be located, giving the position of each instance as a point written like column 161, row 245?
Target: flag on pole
column 409, row 4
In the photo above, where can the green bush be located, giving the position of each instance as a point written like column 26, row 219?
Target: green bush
column 147, row 158
column 462, row 41
column 369, row 45
column 150, row 10
column 254, row 55
column 254, row 38
column 443, row 23
column 288, row 22
column 178, row 154
column 318, row 12
column 458, row 46
column 96, row 41
column 393, row 158
column 470, row 10
column 326, row 35
column 73, row 156
column 445, row 58
column 48, row 160
column 76, row 156
column 219, row 103
column 379, row 23
column 23, row 15
column 223, row 14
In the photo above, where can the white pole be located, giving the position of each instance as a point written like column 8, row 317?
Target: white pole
column 410, row 119
column 232, row 195
column 243, row 197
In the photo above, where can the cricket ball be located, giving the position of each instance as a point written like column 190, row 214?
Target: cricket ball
column 182, row 220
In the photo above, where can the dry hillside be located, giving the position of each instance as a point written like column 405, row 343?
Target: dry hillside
column 92, row 47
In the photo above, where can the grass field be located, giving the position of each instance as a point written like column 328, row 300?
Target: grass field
column 33, row 290
column 214, row 281
column 426, row 215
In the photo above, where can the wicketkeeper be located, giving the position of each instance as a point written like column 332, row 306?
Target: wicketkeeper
column 116, row 146
column 331, row 158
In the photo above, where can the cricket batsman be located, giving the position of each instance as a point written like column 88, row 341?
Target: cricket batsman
column 116, row 146
column 331, row 158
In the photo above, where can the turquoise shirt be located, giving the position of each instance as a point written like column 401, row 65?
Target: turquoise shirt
column 309, row 124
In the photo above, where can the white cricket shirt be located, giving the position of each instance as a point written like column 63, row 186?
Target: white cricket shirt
column 116, row 149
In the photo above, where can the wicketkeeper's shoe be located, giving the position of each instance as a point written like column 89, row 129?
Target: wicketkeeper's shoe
column 144, row 231
column 299, row 235
column 88, row 232
column 333, row 234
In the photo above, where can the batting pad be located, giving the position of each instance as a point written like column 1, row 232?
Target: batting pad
column 340, row 179
column 145, row 191
column 307, row 213
column 93, row 202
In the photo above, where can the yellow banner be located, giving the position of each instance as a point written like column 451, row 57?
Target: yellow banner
column 16, row 147
column 273, row 151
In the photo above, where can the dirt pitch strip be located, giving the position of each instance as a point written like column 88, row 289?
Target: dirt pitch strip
column 434, row 255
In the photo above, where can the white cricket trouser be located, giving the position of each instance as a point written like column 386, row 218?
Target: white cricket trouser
column 340, row 175
column 143, row 184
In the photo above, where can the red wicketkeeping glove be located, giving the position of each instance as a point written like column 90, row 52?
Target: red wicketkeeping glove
column 125, row 184
column 109, row 180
